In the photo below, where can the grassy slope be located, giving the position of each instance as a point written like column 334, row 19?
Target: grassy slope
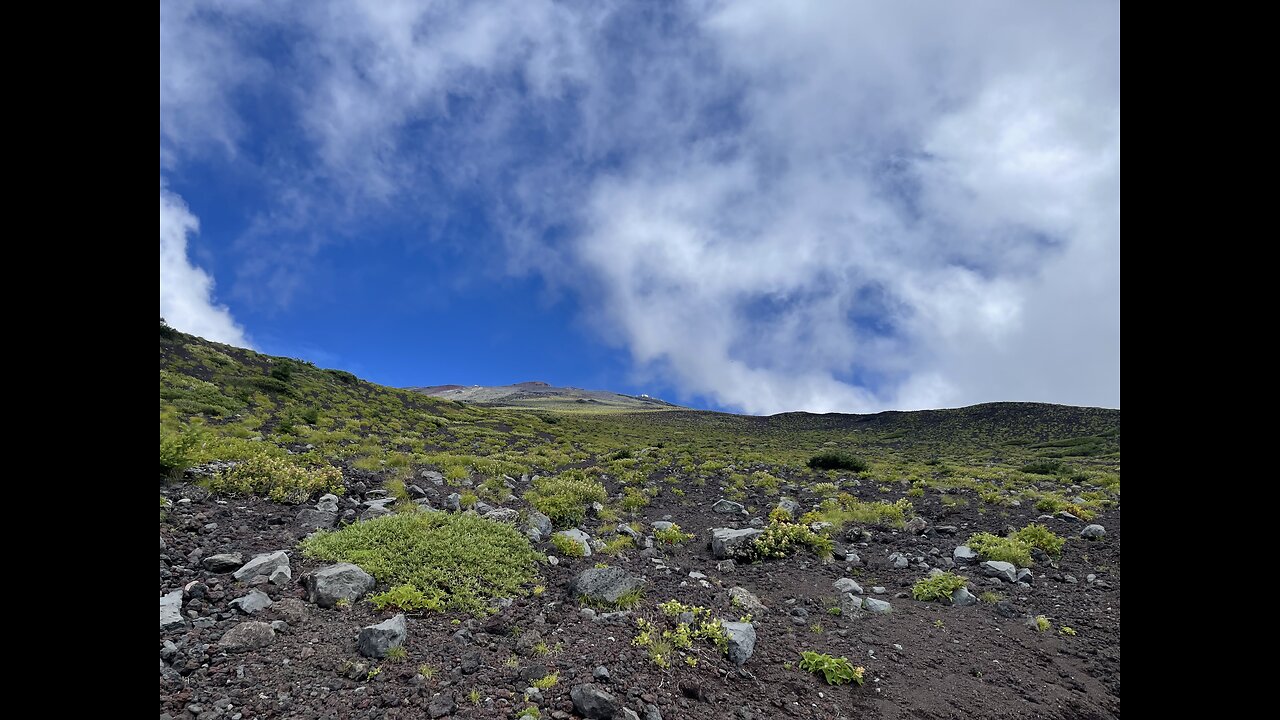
column 237, row 403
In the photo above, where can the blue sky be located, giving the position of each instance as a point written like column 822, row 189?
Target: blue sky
column 744, row 205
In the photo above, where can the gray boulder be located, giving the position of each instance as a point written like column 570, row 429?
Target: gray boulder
column 537, row 526
column 344, row 581
column 582, row 539
column 742, row 641
column 791, row 506
column 281, row 576
column 1000, row 569
column 898, row 561
column 606, row 585
column 453, row 502
column 503, row 515
column 313, row 519
column 263, row 564
column 963, row 598
column 745, row 599
column 442, row 705
column 594, row 702
column 247, row 636
column 254, row 602
column 916, row 525
column 171, row 610
column 328, row 503
column 223, row 562
column 732, row 543
column 1093, row 532
column 964, row 555
column 876, row 607
column 378, row 640
column 663, row 525
column 728, row 507
column 848, row 585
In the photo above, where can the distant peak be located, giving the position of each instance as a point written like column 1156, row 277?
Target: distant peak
column 532, row 383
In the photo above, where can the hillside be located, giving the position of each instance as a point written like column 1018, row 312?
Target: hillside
column 676, row 563
column 542, row 396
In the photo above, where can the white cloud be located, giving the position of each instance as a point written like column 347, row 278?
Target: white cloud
column 186, row 291
column 800, row 205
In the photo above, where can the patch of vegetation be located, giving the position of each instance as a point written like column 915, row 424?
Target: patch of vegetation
column 1042, row 623
column 991, row 596
column 565, row 497
column 278, row 478
column 1064, row 630
column 617, row 544
column 407, row 598
column 838, row 461
column 397, row 654
column 546, row 681
column 568, row 547
column 781, row 539
column 994, row 547
column 1042, row 467
column 672, row 535
column 456, row 561
column 846, row 509
column 1042, row 537
column 835, row 671
column 938, row 587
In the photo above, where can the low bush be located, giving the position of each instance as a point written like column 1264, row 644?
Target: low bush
column 835, row 671
column 278, row 478
column 938, row 587
column 838, row 461
column 461, row 560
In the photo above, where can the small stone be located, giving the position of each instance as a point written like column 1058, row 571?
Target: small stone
column 254, row 602
column 1093, row 532
column 898, row 561
column 742, row 598
column 344, row 581
column 742, row 641
column 247, row 636
column 916, row 525
column 731, row 542
column 378, row 640
column 578, row 537
column 876, row 607
column 223, row 563
column 171, row 611
column 442, row 705
column 728, row 507
column 848, row 585
column 964, row 555
column 262, row 565
column 601, row 673
column 1001, row 570
column 963, row 598
column 594, row 702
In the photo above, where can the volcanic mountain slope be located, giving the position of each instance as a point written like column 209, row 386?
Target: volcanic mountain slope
column 964, row 563
column 541, row 395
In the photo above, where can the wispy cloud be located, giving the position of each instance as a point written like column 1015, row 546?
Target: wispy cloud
column 827, row 206
column 186, row 291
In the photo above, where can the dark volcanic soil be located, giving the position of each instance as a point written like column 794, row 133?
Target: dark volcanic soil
column 924, row 660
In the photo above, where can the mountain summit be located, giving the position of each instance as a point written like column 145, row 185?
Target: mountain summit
column 539, row 394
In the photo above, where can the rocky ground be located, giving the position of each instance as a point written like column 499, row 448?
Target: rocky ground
column 252, row 629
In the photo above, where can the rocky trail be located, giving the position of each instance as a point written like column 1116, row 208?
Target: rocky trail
column 251, row 628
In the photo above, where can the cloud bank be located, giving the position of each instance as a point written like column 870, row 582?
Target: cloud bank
column 775, row 206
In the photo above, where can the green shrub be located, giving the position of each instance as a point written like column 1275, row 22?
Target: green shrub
column 408, row 598
column 835, row 671
column 1042, row 623
column 568, row 547
column 938, row 587
column 782, row 539
column 994, row 547
column 672, row 535
column 1042, row 467
column 565, row 498
column 617, row 545
column 1042, row 537
column 279, row 478
column 633, row 499
column 838, row 461
column 177, row 450
column 461, row 559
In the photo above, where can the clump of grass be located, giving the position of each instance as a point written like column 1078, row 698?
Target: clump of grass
column 991, row 596
column 835, row 671
column 633, row 499
column 278, row 478
column 565, row 497
column 408, row 598
column 672, row 535
column 546, row 681
column 397, row 654
column 462, row 560
column 845, row 509
column 178, row 450
column 426, row 671
column 617, row 545
column 938, row 587
column 838, row 461
column 468, row 500
column 994, row 547
column 1064, row 630
column 568, row 547
column 1042, row 537
column 1042, row 623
